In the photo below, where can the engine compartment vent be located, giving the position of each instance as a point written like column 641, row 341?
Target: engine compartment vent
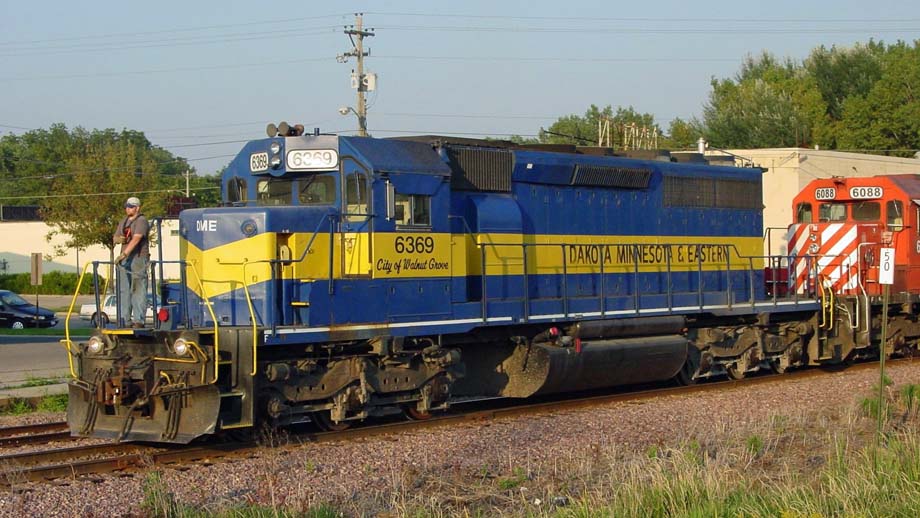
column 480, row 169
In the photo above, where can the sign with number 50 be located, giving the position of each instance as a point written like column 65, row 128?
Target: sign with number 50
column 886, row 266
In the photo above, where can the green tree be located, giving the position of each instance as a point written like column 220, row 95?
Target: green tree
column 81, row 178
column 768, row 104
column 887, row 119
column 29, row 161
column 843, row 72
column 205, row 189
column 89, row 203
column 583, row 130
column 683, row 134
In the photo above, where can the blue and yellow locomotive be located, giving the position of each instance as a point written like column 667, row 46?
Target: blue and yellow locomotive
column 348, row 277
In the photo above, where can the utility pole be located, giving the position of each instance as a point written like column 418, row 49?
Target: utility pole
column 358, row 80
column 187, row 173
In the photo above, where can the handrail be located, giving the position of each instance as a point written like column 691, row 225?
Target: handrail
column 66, row 342
column 252, row 318
column 728, row 249
column 252, row 311
column 207, row 304
column 195, row 359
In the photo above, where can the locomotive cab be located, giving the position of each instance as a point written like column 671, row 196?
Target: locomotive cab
column 842, row 223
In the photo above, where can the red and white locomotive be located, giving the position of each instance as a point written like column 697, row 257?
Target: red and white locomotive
column 841, row 225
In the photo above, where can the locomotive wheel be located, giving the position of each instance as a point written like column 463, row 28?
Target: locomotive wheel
column 777, row 366
column 412, row 413
column 324, row 422
column 685, row 376
column 736, row 370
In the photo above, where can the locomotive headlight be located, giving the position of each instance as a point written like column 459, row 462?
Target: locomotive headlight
column 275, row 148
column 275, row 161
column 94, row 345
column 180, row 346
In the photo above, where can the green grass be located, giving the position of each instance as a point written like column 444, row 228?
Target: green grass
column 160, row 502
column 823, row 463
column 52, row 403
column 33, row 381
column 17, row 406
column 49, row 403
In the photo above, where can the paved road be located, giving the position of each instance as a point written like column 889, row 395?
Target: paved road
column 22, row 357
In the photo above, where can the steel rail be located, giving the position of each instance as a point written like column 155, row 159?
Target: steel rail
column 11, row 431
column 40, row 438
column 20, row 468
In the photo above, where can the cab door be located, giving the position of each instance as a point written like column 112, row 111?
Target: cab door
column 356, row 225
column 911, row 243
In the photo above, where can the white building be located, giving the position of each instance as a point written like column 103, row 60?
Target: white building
column 789, row 170
column 20, row 239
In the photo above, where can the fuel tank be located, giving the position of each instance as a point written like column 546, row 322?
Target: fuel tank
column 547, row 368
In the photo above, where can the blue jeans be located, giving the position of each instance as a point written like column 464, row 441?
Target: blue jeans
column 132, row 290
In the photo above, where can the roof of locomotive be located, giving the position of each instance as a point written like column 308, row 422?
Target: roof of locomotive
column 907, row 184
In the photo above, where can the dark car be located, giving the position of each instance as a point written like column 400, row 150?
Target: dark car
column 17, row 313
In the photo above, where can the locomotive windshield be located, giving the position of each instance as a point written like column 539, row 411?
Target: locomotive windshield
column 274, row 191
column 313, row 189
column 832, row 212
column 867, row 211
column 317, row 189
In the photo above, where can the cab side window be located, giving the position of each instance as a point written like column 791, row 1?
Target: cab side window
column 236, row 190
column 413, row 210
column 894, row 215
column 356, row 194
column 803, row 213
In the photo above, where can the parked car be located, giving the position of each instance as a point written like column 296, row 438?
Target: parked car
column 108, row 311
column 17, row 313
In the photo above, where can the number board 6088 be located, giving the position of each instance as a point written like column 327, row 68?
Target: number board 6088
column 866, row 193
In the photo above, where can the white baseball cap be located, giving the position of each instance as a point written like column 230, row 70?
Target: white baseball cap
column 133, row 202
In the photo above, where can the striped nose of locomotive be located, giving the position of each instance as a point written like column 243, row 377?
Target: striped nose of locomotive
column 827, row 253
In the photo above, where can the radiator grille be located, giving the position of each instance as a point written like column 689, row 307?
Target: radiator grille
column 609, row 176
column 480, row 169
column 719, row 193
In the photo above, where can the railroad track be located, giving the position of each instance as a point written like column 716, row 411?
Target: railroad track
column 61, row 463
column 116, row 457
column 34, row 434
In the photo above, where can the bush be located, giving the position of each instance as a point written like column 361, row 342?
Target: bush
column 53, row 283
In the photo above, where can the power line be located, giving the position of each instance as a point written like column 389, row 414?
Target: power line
column 275, row 22
column 759, row 20
column 249, row 24
column 711, row 31
column 48, row 196
column 178, row 43
column 237, row 66
column 196, row 68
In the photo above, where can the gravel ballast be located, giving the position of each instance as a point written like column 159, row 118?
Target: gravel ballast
column 341, row 472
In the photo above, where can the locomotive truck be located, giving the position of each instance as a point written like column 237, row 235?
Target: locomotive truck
column 350, row 277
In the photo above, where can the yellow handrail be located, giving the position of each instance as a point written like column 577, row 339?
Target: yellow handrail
column 195, row 359
column 207, row 303
column 252, row 318
column 66, row 342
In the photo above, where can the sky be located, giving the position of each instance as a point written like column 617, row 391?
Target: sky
column 201, row 77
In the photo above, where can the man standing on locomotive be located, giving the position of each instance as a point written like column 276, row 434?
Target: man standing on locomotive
column 132, row 263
